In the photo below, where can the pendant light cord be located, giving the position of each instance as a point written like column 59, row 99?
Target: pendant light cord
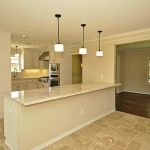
column 99, row 39
column 58, row 31
column 83, row 36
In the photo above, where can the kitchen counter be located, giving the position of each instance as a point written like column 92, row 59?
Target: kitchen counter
column 35, row 96
column 16, row 78
column 38, row 117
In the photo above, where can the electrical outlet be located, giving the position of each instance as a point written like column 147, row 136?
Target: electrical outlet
column 82, row 111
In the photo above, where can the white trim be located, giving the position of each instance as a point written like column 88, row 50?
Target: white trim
column 137, row 92
column 70, row 131
column 9, row 145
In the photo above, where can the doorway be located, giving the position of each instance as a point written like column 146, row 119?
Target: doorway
column 76, row 69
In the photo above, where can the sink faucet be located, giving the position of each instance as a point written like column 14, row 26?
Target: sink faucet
column 15, row 72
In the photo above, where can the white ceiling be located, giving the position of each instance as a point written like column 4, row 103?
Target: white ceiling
column 36, row 19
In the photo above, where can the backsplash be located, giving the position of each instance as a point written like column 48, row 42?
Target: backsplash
column 32, row 73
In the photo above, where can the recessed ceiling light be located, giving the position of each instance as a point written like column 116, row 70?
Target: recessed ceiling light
column 142, row 47
column 37, row 46
column 54, row 42
column 132, row 43
column 23, row 36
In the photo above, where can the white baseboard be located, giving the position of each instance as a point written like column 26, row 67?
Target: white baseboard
column 70, row 131
column 9, row 145
column 137, row 92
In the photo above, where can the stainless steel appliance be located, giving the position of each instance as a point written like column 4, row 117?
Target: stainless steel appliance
column 54, row 74
column 44, row 79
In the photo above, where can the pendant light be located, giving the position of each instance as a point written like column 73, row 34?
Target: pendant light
column 58, row 47
column 83, row 50
column 16, row 54
column 99, row 52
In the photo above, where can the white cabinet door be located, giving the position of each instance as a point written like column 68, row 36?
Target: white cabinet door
column 27, row 59
column 14, row 87
column 54, row 56
column 31, row 59
column 43, row 85
column 22, row 87
column 31, row 86
column 35, row 60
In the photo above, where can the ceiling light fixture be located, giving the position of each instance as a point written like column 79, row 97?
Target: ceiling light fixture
column 16, row 54
column 99, row 52
column 83, row 50
column 58, row 47
column 23, row 36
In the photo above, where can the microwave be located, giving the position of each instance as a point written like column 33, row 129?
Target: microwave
column 54, row 68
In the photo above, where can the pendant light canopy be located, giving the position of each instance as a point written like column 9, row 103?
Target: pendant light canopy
column 58, row 47
column 16, row 54
column 99, row 52
column 83, row 50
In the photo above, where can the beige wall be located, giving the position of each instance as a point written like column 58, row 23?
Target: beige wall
column 5, row 75
column 135, row 72
column 120, row 70
column 95, row 67
column 76, row 69
column 65, row 67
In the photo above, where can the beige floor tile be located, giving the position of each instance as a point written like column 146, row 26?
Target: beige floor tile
column 103, row 140
column 145, row 147
column 129, row 126
column 59, row 144
column 114, row 147
column 2, row 136
column 119, row 134
column 74, row 135
column 98, row 147
column 116, row 115
column 143, row 121
column 98, row 122
column 134, row 145
column 143, row 138
column 113, row 123
column 103, row 126
column 1, row 148
column 129, row 119
column 66, row 148
column 120, row 144
column 49, row 148
column 90, row 144
column 132, row 131
column 141, row 128
column 78, row 143
column 89, row 131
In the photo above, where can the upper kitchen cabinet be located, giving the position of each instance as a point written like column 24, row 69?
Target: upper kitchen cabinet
column 31, row 59
column 54, row 56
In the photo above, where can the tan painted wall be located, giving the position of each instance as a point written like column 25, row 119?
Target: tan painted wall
column 120, row 71
column 135, row 72
column 5, row 75
column 106, row 65
column 76, row 69
column 65, row 67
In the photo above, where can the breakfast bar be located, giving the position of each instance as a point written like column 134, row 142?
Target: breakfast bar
column 35, row 118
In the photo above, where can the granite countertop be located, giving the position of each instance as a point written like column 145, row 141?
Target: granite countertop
column 17, row 78
column 35, row 96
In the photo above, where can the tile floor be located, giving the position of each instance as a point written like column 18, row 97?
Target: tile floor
column 116, row 131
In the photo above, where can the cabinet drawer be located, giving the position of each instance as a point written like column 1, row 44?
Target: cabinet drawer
column 32, row 80
column 43, row 85
column 18, row 81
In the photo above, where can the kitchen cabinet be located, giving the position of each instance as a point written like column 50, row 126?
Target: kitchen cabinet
column 54, row 56
column 31, row 59
column 43, row 85
column 31, row 84
column 44, row 64
column 24, row 84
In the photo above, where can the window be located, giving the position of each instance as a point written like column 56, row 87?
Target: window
column 14, row 63
column 148, row 69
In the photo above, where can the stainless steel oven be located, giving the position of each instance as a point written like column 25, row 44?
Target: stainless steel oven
column 54, row 74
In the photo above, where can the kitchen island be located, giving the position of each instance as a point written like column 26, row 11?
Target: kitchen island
column 35, row 118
